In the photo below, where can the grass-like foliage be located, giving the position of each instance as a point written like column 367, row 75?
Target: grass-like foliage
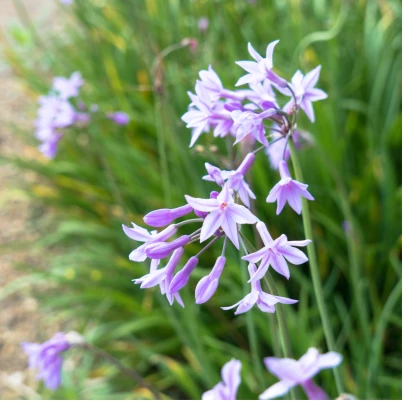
column 105, row 175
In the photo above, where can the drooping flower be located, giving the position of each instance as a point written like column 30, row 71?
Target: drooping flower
column 223, row 213
column 306, row 94
column 250, row 123
column 264, row 301
column 46, row 359
column 235, row 178
column 228, row 387
column 68, row 87
column 162, row 249
column 163, row 217
column 288, row 190
column 163, row 277
column 261, row 69
column 181, row 278
column 138, row 233
column 207, row 286
column 292, row 372
column 274, row 253
column 120, row 118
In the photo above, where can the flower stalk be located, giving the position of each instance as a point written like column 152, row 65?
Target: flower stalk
column 314, row 270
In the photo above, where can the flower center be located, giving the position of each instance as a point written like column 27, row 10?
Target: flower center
column 223, row 205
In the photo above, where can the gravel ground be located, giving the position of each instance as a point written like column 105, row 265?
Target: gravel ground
column 19, row 316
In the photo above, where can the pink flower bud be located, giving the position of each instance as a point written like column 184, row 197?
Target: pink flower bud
column 246, row 163
column 162, row 249
column 207, row 286
column 163, row 217
column 182, row 277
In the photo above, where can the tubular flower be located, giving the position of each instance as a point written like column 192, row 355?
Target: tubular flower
column 292, row 373
column 207, row 286
column 264, row 301
column 288, row 190
column 234, row 178
column 137, row 233
column 228, row 387
column 274, row 253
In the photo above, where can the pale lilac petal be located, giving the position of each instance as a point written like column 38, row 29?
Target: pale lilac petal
column 136, row 233
column 284, row 368
column 139, row 254
column 248, row 78
column 279, row 264
column 293, row 255
column 307, row 107
column 231, row 377
column 241, row 214
column 311, row 78
column 203, row 205
column 302, row 243
column 264, row 233
column 329, row 360
column 274, row 193
column 294, row 200
column 277, row 390
column 153, row 279
column 255, row 55
column 270, row 50
column 282, row 198
column 265, row 307
column 229, row 226
column 262, row 269
column 315, row 94
column 250, row 67
column 211, row 223
column 255, row 256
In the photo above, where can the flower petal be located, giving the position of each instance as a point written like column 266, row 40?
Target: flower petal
column 203, row 205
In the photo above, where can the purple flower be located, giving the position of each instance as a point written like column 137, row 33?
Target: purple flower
column 288, row 190
column 46, row 359
column 120, row 118
column 228, row 387
column 274, row 253
column 203, row 24
column 163, row 277
column 66, row 2
column 163, row 249
column 207, row 286
column 181, row 278
column 303, row 87
column 264, row 301
column 291, row 373
column 68, row 87
column 234, row 178
column 163, row 217
column 224, row 213
column 139, row 234
column 250, row 123
column 50, row 145
column 261, row 69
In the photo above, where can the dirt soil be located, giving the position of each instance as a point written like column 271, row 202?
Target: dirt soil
column 20, row 319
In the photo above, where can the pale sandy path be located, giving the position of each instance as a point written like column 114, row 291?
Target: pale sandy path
column 19, row 318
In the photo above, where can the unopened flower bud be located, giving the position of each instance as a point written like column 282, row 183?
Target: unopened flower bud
column 182, row 277
column 162, row 249
column 246, row 163
column 163, row 217
column 207, row 286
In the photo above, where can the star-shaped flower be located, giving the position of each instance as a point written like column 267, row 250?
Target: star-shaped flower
column 306, row 94
column 291, row 373
column 288, row 190
column 223, row 213
column 264, row 301
column 261, row 69
column 274, row 253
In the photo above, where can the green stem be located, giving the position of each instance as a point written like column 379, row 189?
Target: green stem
column 315, row 273
column 252, row 335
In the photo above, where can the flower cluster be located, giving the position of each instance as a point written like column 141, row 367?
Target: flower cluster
column 46, row 358
column 56, row 113
column 241, row 114
column 290, row 372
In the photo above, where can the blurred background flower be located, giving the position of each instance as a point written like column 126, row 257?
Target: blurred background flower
column 64, row 256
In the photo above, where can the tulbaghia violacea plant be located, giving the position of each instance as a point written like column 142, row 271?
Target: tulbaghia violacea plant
column 57, row 112
column 249, row 116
